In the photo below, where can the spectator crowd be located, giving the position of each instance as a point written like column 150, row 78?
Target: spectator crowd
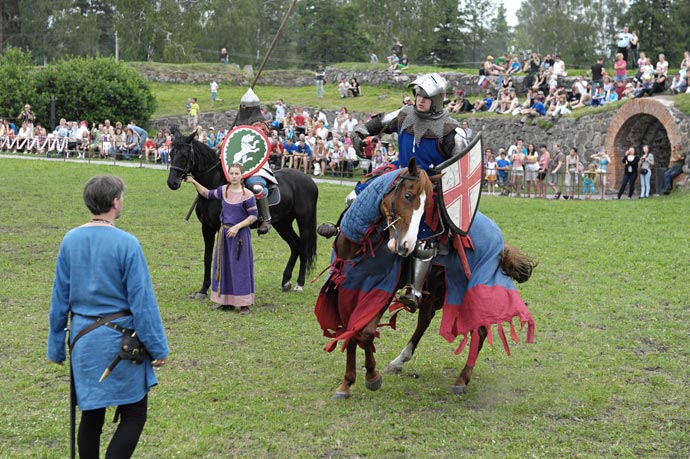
column 82, row 139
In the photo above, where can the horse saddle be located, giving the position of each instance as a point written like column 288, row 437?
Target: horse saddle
column 273, row 194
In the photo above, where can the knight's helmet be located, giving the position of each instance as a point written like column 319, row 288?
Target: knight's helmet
column 432, row 86
column 250, row 110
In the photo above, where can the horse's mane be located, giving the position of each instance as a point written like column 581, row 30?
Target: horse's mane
column 205, row 152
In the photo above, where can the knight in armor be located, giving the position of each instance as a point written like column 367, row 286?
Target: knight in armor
column 426, row 132
column 250, row 114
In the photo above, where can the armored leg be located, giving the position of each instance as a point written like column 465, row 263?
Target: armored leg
column 419, row 267
column 256, row 184
column 264, row 215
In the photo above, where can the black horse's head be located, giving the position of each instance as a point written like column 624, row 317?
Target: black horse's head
column 183, row 160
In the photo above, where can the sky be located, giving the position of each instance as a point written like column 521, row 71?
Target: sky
column 511, row 8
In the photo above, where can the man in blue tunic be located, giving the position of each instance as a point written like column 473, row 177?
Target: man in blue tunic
column 102, row 282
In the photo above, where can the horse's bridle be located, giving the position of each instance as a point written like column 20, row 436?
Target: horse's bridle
column 391, row 218
column 190, row 164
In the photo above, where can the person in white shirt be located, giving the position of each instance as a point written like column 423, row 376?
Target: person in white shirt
column 559, row 67
column 280, row 112
column 349, row 124
column 350, row 160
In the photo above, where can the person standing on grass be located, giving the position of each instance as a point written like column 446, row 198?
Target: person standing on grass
column 232, row 284
column 544, row 161
column 101, row 273
column 214, row 93
column 646, row 164
column 320, row 77
column 631, row 163
column 491, row 174
column 503, row 166
column 194, row 111
column 602, row 171
column 557, row 164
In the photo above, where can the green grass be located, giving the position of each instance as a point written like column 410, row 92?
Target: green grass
column 171, row 97
column 682, row 103
column 607, row 376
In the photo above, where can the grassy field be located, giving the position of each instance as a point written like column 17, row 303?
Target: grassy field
column 171, row 98
column 606, row 378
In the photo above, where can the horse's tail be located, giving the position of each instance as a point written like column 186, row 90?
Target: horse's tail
column 308, row 234
column 516, row 263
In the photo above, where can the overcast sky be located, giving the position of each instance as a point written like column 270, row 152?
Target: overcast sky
column 511, row 8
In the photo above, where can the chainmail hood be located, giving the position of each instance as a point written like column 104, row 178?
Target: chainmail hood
column 425, row 127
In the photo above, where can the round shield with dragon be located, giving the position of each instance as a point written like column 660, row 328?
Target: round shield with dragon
column 247, row 146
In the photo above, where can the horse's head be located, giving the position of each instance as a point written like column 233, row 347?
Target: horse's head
column 182, row 164
column 404, row 208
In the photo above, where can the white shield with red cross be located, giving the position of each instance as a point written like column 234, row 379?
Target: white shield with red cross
column 246, row 146
column 461, row 186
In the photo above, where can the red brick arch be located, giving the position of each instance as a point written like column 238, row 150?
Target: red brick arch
column 632, row 124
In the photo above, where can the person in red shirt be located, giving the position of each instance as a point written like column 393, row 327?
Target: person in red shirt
column 275, row 149
column 300, row 121
column 150, row 147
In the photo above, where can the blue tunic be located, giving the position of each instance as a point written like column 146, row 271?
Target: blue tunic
column 100, row 271
column 428, row 152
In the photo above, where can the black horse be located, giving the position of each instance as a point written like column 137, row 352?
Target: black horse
column 298, row 195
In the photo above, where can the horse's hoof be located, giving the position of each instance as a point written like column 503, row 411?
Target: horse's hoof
column 298, row 288
column 375, row 384
column 287, row 286
column 341, row 395
column 458, row 390
column 198, row 296
column 393, row 368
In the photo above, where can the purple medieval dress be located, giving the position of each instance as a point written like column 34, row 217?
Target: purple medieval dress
column 233, row 264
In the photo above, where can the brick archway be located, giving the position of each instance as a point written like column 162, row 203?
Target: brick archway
column 638, row 122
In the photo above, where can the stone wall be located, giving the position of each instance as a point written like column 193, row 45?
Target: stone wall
column 587, row 133
column 233, row 75
column 221, row 120
column 653, row 121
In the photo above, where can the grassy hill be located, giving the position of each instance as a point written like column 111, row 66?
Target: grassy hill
column 384, row 98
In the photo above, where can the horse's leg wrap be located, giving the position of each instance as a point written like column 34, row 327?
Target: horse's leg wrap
column 419, row 267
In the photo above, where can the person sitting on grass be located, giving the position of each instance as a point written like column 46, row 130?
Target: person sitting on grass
column 482, row 105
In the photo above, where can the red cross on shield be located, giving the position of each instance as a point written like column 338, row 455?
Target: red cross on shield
column 461, row 187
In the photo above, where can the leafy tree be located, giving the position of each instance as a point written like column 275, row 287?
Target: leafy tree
column 448, row 45
column 499, row 36
column 328, row 32
column 10, row 33
column 568, row 28
column 94, row 89
column 658, row 30
column 17, row 82
column 477, row 30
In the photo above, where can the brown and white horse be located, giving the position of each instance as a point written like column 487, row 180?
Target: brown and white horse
column 366, row 273
column 354, row 317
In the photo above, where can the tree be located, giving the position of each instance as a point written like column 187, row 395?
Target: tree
column 568, row 28
column 499, row 36
column 17, row 82
column 449, row 44
column 477, row 29
column 659, row 31
column 94, row 89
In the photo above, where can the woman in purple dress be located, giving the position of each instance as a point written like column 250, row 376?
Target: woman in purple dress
column 232, row 283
